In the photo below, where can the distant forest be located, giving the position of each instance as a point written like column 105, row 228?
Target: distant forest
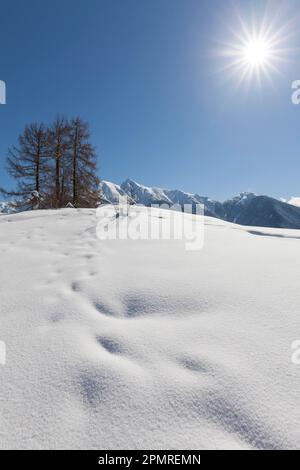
column 54, row 166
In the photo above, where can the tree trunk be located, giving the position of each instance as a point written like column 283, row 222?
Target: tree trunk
column 75, row 166
column 37, row 169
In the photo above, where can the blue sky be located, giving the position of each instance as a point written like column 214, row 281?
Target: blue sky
column 146, row 75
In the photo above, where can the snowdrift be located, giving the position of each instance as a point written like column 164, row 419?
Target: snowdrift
column 143, row 345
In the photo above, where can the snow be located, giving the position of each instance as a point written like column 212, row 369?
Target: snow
column 147, row 195
column 294, row 201
column 5, row 208
column 244, row 198
column 144, row 194
column 245, row 208
column 123, row 344
column 112, row 192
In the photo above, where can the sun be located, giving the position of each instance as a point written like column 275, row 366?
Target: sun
column 256, row 53
column 255, row 50
column 253, row 55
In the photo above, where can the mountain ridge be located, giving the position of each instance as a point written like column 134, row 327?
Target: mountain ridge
column 246, row 208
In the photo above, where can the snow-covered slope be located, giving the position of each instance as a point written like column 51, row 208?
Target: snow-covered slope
column 141, row 344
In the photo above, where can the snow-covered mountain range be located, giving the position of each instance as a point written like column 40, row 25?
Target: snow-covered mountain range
column 245, row 208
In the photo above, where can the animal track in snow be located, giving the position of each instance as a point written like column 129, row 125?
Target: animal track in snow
column 110, row 345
